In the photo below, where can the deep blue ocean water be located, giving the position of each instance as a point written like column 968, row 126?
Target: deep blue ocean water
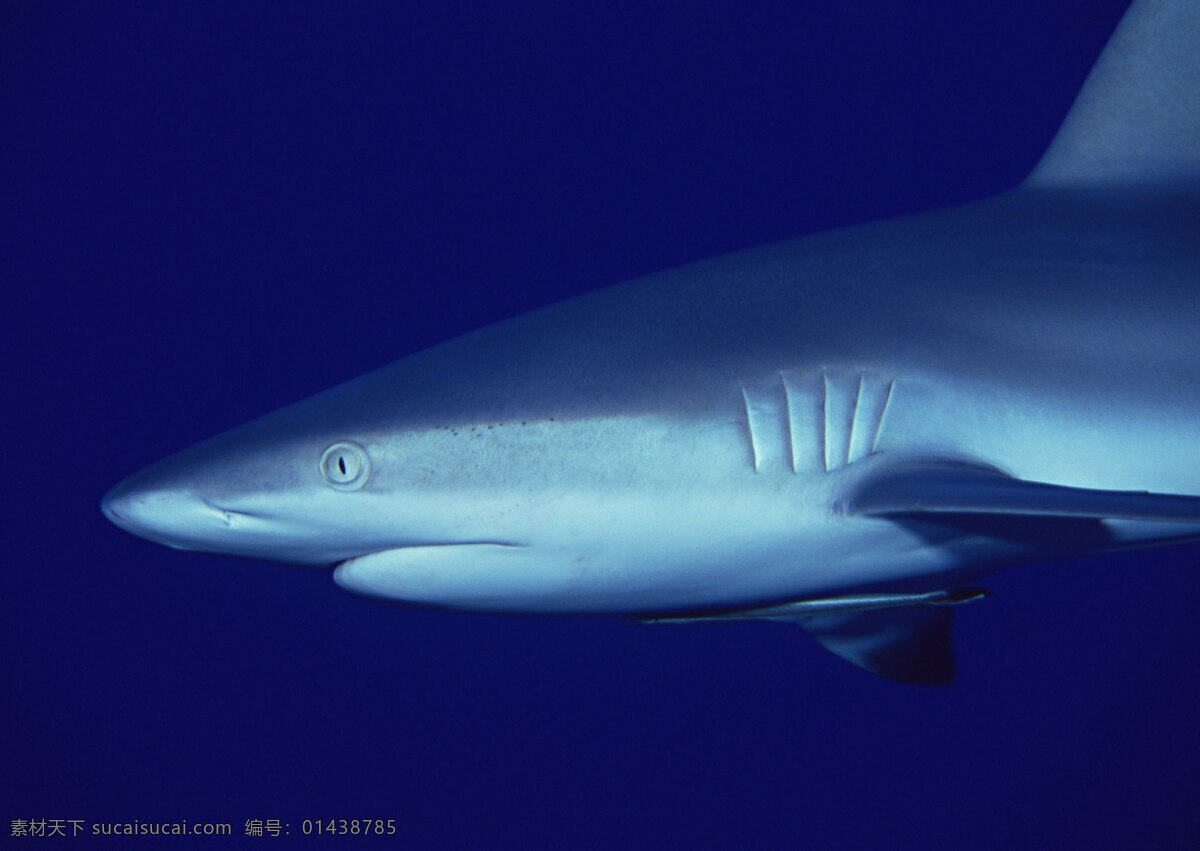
column 212, row 210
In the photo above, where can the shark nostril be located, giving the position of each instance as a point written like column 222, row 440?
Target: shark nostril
column 221, row 512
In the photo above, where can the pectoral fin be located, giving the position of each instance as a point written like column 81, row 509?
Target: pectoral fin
column 941, row 487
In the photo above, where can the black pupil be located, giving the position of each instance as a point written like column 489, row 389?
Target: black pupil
column 342, row 464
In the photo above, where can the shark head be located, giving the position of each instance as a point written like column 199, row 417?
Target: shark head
column 258, row 491
column 334, row 477
column 515, row 490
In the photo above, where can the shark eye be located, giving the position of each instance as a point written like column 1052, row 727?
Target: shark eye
column 345, row 466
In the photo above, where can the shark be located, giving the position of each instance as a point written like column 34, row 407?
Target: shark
column 847, row 431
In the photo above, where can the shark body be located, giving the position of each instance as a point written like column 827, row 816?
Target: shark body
column 845, row 431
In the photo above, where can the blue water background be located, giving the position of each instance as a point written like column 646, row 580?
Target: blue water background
column 211, row 210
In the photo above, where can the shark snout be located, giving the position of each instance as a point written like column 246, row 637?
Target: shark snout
column 176, row 518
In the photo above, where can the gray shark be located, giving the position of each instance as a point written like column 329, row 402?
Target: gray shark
column 844, row 431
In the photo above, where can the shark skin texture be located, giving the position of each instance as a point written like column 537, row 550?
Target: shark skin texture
column 845, row 431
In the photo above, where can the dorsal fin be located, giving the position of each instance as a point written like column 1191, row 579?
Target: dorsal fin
column 1137, row 118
